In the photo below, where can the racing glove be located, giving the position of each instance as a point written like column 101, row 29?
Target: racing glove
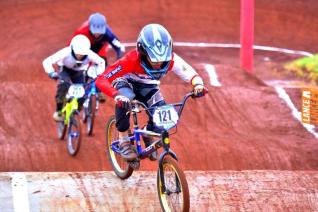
column 122, row 101
column 53, row 75
column 198, row 86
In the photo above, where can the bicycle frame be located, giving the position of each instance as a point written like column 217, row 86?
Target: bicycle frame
column 69, row 108
column 91, row 88
column 137, row 133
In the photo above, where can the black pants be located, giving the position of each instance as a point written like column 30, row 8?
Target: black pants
column 68, row 76
column 150, row 95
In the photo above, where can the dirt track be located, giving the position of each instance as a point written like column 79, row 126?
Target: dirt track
column 210, row 191
column 242, row 125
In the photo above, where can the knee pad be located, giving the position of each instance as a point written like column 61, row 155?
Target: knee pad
column 124, row 87
column 121, row 82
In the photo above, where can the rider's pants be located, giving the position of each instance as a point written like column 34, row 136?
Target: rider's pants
column 68, row 76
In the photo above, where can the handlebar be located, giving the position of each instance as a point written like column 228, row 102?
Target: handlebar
column 61, row 79
column 134, row 106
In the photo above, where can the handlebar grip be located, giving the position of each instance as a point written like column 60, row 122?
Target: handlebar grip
column 205, row 91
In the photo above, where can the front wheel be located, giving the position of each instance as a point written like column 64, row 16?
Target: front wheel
column 176, row 196
column 74, row 134
column 121, row 168
column 61, row 130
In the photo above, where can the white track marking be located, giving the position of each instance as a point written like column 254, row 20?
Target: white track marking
column 282, row 94
column 286, row 83
column 225, row 45
column 210, row 69
column 19, row 192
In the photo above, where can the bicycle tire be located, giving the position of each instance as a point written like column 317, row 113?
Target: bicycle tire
column 74, row 122
column 84, row 114
column 91, row 114
column 119, row 165
column 177, row 185
column 61, row 130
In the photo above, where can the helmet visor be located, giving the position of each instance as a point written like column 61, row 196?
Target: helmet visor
column 97, row 29
column 78, row 57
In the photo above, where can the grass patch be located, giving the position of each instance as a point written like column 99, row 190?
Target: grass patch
column 305, row 67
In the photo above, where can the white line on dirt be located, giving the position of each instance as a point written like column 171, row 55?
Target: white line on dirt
column 210, row 69
column 19, row 192
column 229, row 45
column 283, row 95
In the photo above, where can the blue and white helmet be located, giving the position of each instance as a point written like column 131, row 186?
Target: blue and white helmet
column 155, row 44
column 97, row 23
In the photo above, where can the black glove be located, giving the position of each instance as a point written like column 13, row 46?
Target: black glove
column 122, row 101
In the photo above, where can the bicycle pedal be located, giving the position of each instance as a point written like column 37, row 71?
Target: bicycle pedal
column 134, row 164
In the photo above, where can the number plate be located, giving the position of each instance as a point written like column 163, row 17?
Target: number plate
column 76, row 91
column 166, row 117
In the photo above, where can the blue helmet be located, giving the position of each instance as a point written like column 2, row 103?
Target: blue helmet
column 154, row 45
column 97, row 23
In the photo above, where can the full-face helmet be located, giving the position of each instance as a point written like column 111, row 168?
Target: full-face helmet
column 80, row 46
column 154, row 45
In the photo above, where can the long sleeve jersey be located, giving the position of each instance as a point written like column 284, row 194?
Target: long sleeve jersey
column 65, row 58
column 129, row 67
column 102, row 42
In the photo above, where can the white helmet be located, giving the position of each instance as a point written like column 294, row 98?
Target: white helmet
column 80, row 44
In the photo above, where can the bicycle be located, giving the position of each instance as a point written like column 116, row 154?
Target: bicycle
column 170, row 186
column 71, row 122
column 90, row 106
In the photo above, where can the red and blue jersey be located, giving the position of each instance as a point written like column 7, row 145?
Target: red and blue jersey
column 130, row 68
column 100, row 45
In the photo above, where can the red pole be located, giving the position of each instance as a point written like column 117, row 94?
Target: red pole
column 247, row 34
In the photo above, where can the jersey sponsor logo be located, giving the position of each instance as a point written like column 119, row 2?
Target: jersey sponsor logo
column 113, row 72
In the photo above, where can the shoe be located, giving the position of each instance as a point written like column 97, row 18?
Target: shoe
column 57, row 116
column 148, row 141
column 126, row 151
column 101, row 97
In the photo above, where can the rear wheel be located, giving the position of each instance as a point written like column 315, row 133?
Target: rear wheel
column 74, row 134
column 176, row 196
column 121, row 168
column 91, row 111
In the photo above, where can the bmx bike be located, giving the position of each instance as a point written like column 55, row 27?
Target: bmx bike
column 91, row 104
column 71, row 122
column 172, row 185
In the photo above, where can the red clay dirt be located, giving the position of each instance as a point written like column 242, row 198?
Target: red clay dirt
column 242, row 125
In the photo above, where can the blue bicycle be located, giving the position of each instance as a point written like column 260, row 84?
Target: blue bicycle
column 172, row 185
column 91, row 104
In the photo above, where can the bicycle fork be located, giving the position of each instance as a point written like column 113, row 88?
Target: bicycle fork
column 167, row 151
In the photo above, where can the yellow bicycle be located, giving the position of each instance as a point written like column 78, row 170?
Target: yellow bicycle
column 72, row 120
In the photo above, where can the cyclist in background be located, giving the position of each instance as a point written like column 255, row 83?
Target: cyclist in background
column 68, row 64
column 137, row 76
column 100, row 35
